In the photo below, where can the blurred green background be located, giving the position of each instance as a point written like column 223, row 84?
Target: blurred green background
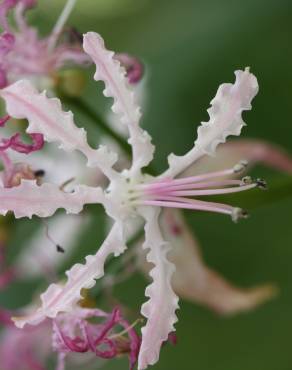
column 189, row 47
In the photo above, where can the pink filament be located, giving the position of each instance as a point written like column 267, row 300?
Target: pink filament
column 189, row 186
column 211, row 191
column 15, row 143
column 187, row 180
column 174, row 193
column 176, row 202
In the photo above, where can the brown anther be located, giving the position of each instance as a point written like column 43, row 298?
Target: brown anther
column 39, row 173
column 60, row 249
column 261, row 184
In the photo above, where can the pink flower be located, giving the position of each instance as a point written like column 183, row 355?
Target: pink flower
column 131, row 194
column 15, row 142
column 14, row 172
column 194, row 280
column 24, row 349
column 24, row 55
column 31, row 347
column 74, row 333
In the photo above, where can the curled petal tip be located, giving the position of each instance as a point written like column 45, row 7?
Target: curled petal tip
column 134, row 67
column 251, row 298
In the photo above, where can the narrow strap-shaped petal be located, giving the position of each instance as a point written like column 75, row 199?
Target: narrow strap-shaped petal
column 29, row 199
column 45, row 116
column 110, row 72
column 62, row 297
column 160, row 308
column 225, row 119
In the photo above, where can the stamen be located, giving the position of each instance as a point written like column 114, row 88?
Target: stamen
column 126, row 330
column 261, row 184
column 199, row 178
column 39, row 173
column 208, row 191
column 175, row 193
column 241, row 166
column 56, row 245
column 189, row 186
column 57, row 30
column 60, row 249
column 184, row 203
column 66, row 183
column 247, row 180
column 238, row 213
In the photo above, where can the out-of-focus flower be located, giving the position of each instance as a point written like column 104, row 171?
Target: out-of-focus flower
column 69, row 333
column 25, row 349
column 254, row 151
column 131, row 193
column 75, row 333
column 23, row 54
column 194, row 280
column 18, row 347
column 13, row 173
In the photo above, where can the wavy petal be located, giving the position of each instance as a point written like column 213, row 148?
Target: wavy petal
column 196, row 282
column 225, row 120
column 110, row 72
column 45, row 116
column 29, row 199
column 62, row 297
column 160, row 308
